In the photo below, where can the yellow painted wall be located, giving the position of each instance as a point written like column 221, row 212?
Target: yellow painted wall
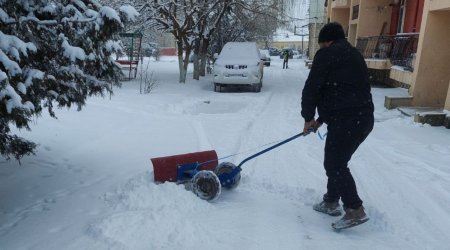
column 352, row 34
column 447, row 102
column 432, row 77
column 342, row 16
column 372, row 15
column 440, row 5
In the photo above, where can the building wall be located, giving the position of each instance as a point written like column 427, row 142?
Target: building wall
column 447, row 101
column 166, row 40
column 373, row 15
column 314, row 29
column 431, row 78
column 341, row 15
column 318, row 18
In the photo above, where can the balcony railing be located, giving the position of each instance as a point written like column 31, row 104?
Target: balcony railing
column 400, row 49
column 404, row 50
column 377, row 47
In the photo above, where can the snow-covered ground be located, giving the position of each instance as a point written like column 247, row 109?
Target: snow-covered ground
column 90, row 185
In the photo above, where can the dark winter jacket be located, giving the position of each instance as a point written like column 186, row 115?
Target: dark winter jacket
column 338, row 84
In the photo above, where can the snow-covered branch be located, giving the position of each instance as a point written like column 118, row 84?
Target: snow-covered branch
column 54, row 53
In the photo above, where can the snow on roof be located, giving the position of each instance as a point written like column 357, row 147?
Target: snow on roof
column 287, row 36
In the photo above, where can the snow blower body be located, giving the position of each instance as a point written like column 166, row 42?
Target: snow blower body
column 201, row 173
column 195, row 170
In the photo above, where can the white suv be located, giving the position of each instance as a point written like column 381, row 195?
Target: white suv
column 239, row 64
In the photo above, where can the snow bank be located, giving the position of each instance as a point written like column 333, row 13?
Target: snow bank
column 90, row 186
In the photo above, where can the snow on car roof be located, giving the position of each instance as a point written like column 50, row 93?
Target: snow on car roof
column 264, row 51
column 242, row 50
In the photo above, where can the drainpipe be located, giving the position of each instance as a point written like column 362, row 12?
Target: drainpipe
column 415, row 17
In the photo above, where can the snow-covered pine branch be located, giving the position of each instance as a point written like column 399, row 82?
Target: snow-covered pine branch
column 53, row 53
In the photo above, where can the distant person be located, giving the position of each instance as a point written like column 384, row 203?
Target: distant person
column 338, row 86
column 285, row 55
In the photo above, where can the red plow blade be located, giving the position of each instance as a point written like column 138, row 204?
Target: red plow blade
column 165, row 168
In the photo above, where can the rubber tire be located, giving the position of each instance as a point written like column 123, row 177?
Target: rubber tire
column 217, row 87
column 227, row 167
column 257, row 87
column 206, row 185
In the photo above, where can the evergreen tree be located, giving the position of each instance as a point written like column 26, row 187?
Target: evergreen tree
column 53, row 53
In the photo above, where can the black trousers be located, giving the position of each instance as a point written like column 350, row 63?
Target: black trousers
column 285, row 63
column 345, row 134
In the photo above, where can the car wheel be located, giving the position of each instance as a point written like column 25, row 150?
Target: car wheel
column 217, row 87
column 257, row 87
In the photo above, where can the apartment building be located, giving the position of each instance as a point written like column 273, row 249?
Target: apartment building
column 431, row 75
column 405, row 43
column 317, row 19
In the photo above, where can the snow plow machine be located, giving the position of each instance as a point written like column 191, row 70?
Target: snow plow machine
column 201, row 172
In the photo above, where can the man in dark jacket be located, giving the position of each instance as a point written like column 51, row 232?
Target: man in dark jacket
column 338, row 86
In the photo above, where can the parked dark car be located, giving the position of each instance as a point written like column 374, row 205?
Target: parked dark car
column 265, row 56
column 274, row 52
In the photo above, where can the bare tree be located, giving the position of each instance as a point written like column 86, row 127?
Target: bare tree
column 195, row 23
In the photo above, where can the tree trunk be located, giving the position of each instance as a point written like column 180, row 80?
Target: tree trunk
column 183, row 71
column 196, row 74
column 186, row 62
column 203, row 56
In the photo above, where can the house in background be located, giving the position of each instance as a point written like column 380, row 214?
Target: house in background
column 286, row 39
column 167, row 44
column 385, row 31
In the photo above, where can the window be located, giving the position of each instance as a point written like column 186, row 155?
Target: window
column 401, row 16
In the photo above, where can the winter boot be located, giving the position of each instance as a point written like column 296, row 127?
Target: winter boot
column 330, row 208
column 352, row 217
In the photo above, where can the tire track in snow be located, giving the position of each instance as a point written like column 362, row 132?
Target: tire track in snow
column 203, row 142
column 273, row 121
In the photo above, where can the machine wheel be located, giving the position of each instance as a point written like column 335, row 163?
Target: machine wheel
column 206, row 185
column 226, row 168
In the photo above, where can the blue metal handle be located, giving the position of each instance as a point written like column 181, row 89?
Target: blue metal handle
column 272, row 147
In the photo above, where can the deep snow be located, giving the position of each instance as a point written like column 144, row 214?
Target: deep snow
column 90, row 185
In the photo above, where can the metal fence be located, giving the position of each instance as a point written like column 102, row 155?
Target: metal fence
column 404, row 50
column 400, row 49
column 378, row 47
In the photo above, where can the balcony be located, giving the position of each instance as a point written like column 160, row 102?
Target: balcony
column 375, row 47
column 404, row 50
column 399, row 49
column 340, row 4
